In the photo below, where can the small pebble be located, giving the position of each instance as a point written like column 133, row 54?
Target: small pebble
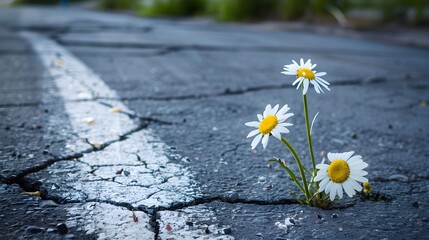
column 126, row 173
column 234, row 196
column 189, row 223
column 416, row 204
column 268, row 186
column 334, row 215
column 227, row 231
column 62, row 228
column 207, row 231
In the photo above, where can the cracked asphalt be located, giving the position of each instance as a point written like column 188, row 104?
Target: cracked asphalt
column 117, row 127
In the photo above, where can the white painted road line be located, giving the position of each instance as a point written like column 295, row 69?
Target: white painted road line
column 135, row 171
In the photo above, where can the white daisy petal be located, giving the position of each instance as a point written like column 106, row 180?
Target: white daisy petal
column 359, row 165
column 313, row 66
column 323, row 183
column 275, row 109
column 282, row 129
column 284, row 117
column 320, row 74
column 301, row 61
column 340, row 191
column 256, row 140
column 276, row 134
column 285, row 124
column 306, row 83
column 358, row 178
column 345, row 156
column 320, row 175
column 253, row 133
column 333, row 192
column 308, row 64
column 260, row 117
column 289, row 73
column 267, row 110
column 333, row 156
column 291, row 68
column 328, row 187
column 355, row 159
column 348, row 188
column 298, row 80
column 300, row 83
column 265, row 140
column 316, row 86
column 295, row 63
column 322, row 166
column 322, row 80
column 358, row 172
column 356, row 186
column 283, row 110
column 322, row 84
column 252, row 124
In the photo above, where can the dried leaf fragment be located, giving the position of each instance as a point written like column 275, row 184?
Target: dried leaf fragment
column 115, row 110
column 58, row 63
column 34, row 194
column 96, row 145
column 135, row 218
column 168, row 227
column 89, row 120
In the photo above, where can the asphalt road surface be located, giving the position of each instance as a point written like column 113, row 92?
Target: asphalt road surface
column 117, row 127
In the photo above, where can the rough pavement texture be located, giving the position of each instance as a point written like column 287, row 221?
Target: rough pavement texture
column 181, row 161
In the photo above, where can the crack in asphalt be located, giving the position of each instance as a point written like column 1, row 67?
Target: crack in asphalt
column 16, row 178
column 73, row 28
column 235, row 148
column 229, row 92
column 170, row 48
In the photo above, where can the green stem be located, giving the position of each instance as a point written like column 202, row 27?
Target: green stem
column 301, row 168
column 307, row 125
column 310, row 141
column 291, row 174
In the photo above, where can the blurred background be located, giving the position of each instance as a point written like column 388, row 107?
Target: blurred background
column 347, row 13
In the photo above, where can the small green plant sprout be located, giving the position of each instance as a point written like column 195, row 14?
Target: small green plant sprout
column 343, row 172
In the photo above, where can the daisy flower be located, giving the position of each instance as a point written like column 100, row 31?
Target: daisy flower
column 305, row 75
column 271, row 122
column 343, row 173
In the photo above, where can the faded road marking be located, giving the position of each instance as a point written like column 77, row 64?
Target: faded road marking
column 135, row 171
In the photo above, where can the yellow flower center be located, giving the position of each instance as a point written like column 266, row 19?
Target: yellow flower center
column 268, row 124
column 339, row 171
column 305, row 72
